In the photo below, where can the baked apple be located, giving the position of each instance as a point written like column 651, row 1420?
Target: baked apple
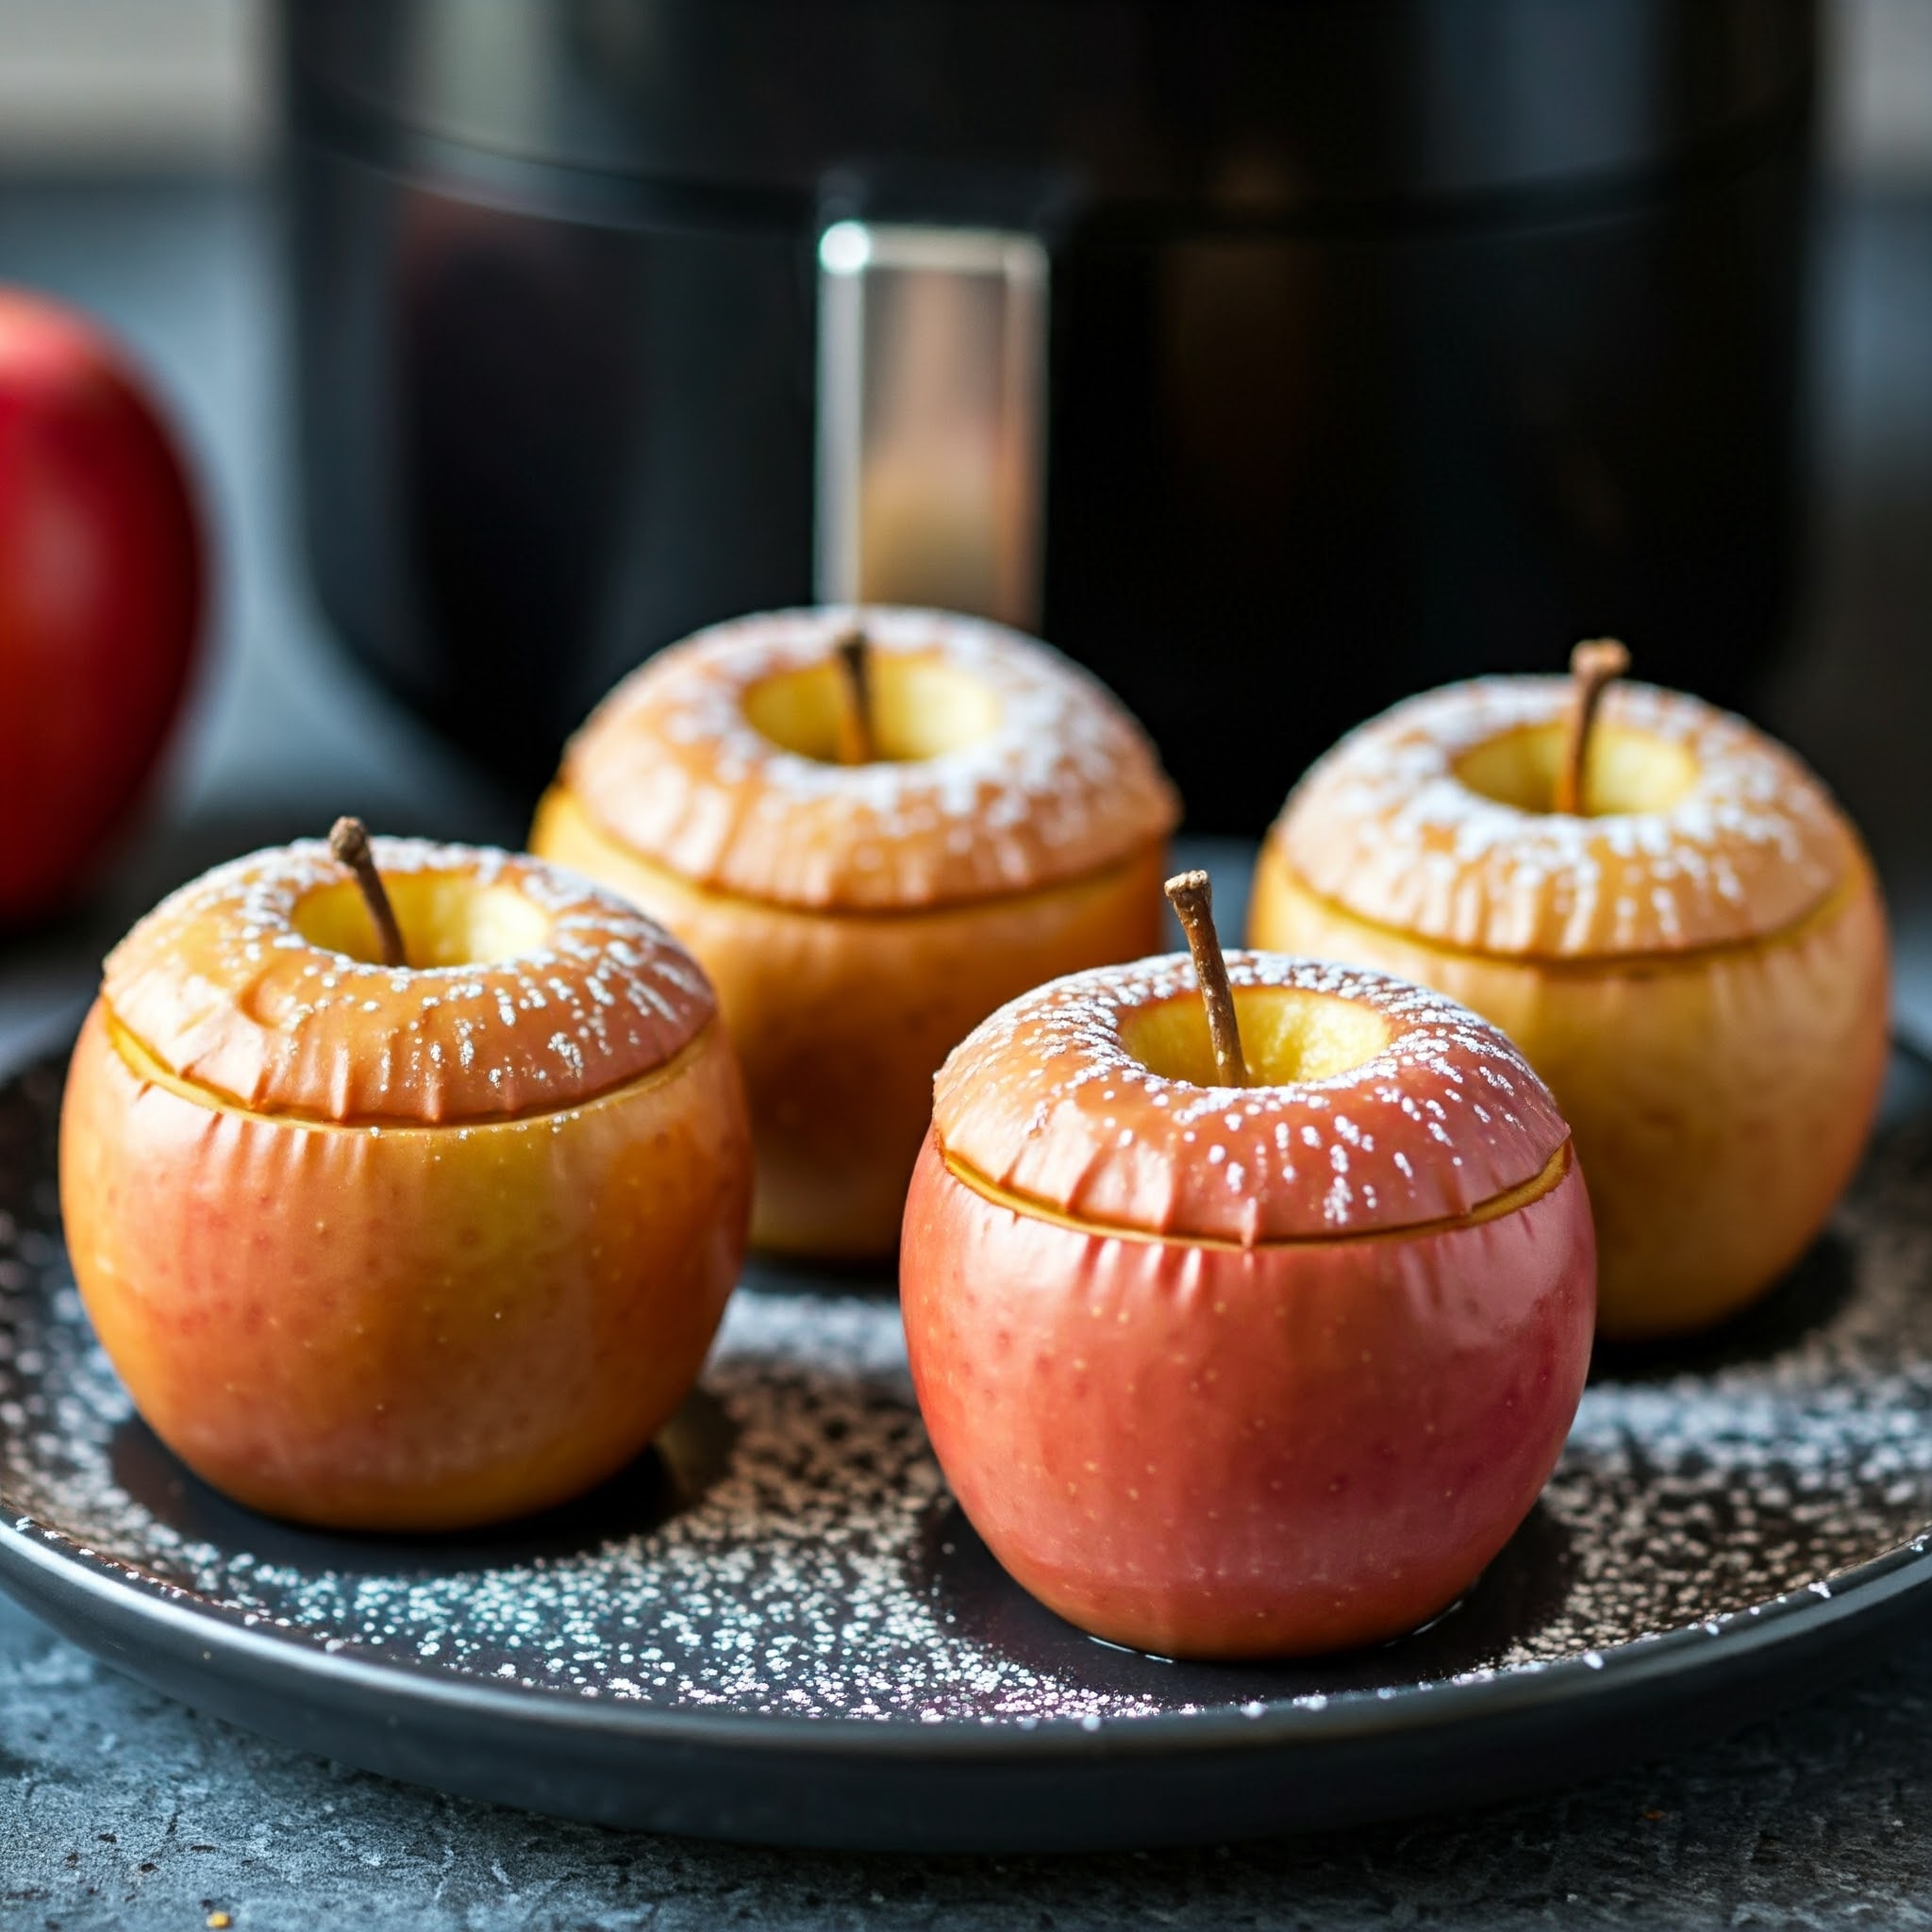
column 1692, row 954
column 403, row 1242
column 1255, row 1358
column 871, row 828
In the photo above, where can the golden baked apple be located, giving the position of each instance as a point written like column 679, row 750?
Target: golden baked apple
column 1693, row 955
column 403, row 1245
column 1248, row 1334
column 872, row 829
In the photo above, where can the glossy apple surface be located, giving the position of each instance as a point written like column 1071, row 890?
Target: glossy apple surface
column 1218, row 1451
column 857, row 919
column 840, row 1021
column 382, row 1322
column 1288, row 1422
column 1719, row 1102
column 101, row 592
column 1698, row 967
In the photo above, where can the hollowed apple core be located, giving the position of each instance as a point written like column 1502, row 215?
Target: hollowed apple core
column 921, row 707
column 1626, row 771
column 447, row 919
column 1288, row 1035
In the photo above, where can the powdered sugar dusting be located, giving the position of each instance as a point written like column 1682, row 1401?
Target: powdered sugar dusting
column 221, row 986
column 1384, row 827
column 1064, row 783
column 1445, row 1116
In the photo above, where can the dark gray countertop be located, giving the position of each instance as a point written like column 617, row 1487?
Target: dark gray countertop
column 118, row 1807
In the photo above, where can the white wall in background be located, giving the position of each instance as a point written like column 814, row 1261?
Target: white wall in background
column 1879, row 91
column 87, row 85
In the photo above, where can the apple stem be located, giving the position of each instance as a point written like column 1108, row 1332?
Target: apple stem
column 348, row 841
column 1594, row 667
column 1191, row 895
column 858, row 744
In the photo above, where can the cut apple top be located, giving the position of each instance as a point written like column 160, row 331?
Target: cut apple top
column 1435, row 819
column 1378, row 1105
column 1002, row 766
column 527, row 990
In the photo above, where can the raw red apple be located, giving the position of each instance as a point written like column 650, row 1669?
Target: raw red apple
column 100, row 597
column 1222, row 1370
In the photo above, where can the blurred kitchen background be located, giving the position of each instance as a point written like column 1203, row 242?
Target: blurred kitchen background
column 1273, row 360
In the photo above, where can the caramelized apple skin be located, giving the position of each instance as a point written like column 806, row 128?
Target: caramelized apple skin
column 405, row 1328
column 1212, row 1450
column 1720, row 1100
column 841, row 1020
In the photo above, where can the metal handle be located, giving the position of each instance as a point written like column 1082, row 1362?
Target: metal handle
column 931, row 418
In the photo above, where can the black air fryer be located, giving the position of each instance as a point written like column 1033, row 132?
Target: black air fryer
column 1274, row 359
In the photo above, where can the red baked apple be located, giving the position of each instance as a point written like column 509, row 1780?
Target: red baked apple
column 1258, row 1359
column 411, row 1215
column 100, row 597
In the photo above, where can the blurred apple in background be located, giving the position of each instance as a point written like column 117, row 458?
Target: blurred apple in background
column 101, row 595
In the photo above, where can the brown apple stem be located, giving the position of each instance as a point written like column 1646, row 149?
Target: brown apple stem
column 1191, row 895
column 858, row 745
column 1594, row 667
column 348, row 839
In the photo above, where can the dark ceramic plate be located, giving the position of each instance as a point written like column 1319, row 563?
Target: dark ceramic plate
column 774, row 1626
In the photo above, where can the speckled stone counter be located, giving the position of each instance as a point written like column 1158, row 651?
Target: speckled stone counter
column 119, row 1809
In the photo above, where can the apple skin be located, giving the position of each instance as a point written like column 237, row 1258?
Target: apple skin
column 1720, row 1099
column 1211, row 1451
column 101, row 593
column 840, row 1019
column 405, row 1328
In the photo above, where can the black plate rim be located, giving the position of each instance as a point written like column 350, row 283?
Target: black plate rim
column 136, row 1599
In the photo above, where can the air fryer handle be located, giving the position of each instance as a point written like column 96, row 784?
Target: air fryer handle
column 932, row 418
